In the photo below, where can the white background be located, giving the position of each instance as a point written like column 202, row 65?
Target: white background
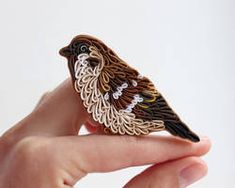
column 186, row 47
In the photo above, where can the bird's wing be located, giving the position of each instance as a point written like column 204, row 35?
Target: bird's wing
column 151, row 105
column 119, row 79
column 126, row 90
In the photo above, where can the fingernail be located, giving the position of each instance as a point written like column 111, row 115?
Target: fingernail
column 191, row 174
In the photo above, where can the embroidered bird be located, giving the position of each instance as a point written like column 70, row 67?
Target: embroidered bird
column 116, row 95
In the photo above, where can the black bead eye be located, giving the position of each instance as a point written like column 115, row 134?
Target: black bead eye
column 83, row 48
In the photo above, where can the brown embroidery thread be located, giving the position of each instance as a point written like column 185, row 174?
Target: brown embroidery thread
column 116, row 95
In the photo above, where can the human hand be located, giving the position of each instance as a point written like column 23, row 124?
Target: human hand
column 43, row 150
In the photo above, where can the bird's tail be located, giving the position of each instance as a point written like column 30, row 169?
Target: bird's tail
column 172, row 122
column 181, row 130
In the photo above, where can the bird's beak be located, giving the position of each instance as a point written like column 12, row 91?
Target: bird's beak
column 65, row 52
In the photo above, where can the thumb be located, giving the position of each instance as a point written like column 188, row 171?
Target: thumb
column 178, row 173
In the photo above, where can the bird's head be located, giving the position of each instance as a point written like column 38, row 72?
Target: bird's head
column 80, row 44
column 85, row 44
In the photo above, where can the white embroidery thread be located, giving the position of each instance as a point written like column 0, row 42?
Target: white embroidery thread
column 122, row 121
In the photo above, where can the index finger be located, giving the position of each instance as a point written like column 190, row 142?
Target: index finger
column 104, row 153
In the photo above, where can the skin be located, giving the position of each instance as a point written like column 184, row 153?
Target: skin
column 44, row 150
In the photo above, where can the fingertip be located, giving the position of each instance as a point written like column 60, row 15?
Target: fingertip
column 93, row 126
column 177, row 173
column 42, row 99
column 195, row 170
column 204, row 145
column 90, row 128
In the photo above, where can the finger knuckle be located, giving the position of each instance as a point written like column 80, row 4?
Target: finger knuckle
column 31, row 149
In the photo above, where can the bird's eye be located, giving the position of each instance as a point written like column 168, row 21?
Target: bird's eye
column 83, row 48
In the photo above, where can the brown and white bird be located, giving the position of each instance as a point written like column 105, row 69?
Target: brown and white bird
column 116, row 95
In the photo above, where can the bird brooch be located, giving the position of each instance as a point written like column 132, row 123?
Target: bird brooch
column 116, row 95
